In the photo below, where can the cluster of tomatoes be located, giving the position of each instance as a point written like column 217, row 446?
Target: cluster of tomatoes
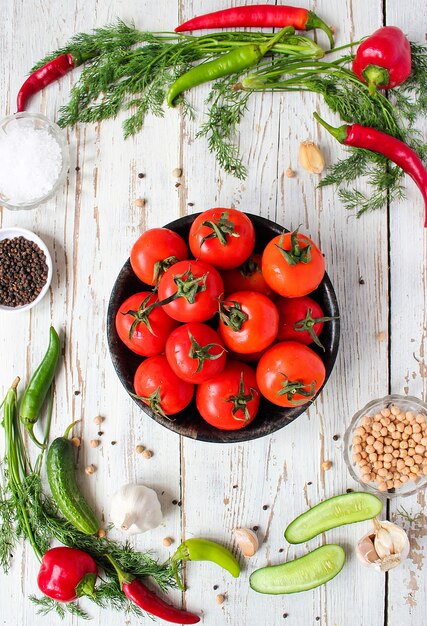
column 258, row 312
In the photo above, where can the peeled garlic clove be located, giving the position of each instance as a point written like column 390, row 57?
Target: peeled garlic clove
column 311, row 157
column 246, row 540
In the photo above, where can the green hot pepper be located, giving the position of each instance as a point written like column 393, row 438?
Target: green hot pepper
column 39, row 385
column 204, row 550
column 233, row 62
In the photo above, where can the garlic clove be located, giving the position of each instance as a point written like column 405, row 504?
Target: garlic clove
column 246, row 540
column 311, row 158
column 365, row 550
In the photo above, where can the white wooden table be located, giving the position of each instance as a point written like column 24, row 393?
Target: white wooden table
column 90, row 227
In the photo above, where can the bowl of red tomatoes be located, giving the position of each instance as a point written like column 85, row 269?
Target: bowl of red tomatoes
column 223, row 326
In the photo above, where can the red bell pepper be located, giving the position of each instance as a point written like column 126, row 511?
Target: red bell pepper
column 66, row 574
column 384, row 59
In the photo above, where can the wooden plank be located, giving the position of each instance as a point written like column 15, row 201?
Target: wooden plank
column 283, row 472
column 408, row 329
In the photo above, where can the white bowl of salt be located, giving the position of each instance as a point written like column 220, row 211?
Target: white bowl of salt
column 34, row 160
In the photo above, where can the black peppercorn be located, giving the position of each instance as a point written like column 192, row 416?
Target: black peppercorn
column 23, row 271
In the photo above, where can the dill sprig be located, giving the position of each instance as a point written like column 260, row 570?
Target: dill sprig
column 47, row 605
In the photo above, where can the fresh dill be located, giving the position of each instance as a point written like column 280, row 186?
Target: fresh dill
column 129, row 70
column 47, row 605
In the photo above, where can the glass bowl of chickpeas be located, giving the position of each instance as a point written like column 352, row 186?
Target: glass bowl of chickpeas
column 385, row 446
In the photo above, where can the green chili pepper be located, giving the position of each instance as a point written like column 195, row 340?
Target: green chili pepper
column 39, row 385
column 233, row 62
column 204, row 550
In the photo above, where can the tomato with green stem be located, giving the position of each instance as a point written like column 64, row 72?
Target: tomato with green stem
column 154, row 252
column 195, row 352
column 293, row 265
column 189, row 291
column 230, row 400
column 157, row 385
column 301, row 319
column 248, row 322
column 143, row 329
column 290, row 374
column 247, row 277
column 225, row 238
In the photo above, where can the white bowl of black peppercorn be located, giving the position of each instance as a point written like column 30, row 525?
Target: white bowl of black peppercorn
column 25, row 269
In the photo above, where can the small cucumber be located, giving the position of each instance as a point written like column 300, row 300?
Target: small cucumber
column 64, row 488
column 309, row 571
column 336, row 511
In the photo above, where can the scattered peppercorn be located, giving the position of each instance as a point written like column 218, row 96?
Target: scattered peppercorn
column 100, row 433
column 141, row 175
column 175, row 502
column 335, row 437
column 77, row 169
column 309, row 483
column 255, row 528
column 349, row 490
column 361, row 280
column 113, row 443
column 77, row 393
column 317, row 619
column 177, row 184
column 235, row 486
column 139, row 449
column 265, row 507
column 285, row 615
column 215, row 587
column 190, row 203
column 23, row 271
column 281, row 549
column 179, row 503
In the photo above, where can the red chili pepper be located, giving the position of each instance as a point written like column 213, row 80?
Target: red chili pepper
column 258, row 15
column 397, row 151
column 148, row 601
column 383, row 59
column 66, row 574
column 42, row 77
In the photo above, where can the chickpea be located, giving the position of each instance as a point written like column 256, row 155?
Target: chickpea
column 403, row 478
column 417, row 437
column 382, row 486
column 357, row 448
column 357, row 440
column 405, row 436
column 409, row 461
column 425, row 461
column 424, row 441
column 400, row 464
column 388, row 449
column 397, row 484
column 409, row 415
column 376, row 427
column 373, row 457
column 366, row 478
column 378, row 446
column 387, row 441
column 377, row 417
column 420, row 419
column 366, row 421
column 418, row 459
column 364, row 454
column 387, row 457
column 391, row 427
column 370, row 440
column 395, row 454
column 412, row 476
column 415, row 469
column 396, row 435
column 403, row 445
column 403, row 454
column 395, row 444
column 385, row 421
column 394, row 410
column 400, row 427
column 411, row 443
column 377, row 465
column 384, row 431
column 419, row 449
column 382, row 471
column 385, row 412
column 411, row 451
column 370, row 449
column 405, row 471
column 389, row 484
column 387, row 464
column 416, row 428
column 408, row 429
column 357, row 458
column 363, row 462
column 360, row 431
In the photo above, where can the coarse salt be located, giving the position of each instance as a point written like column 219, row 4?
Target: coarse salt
column 30, row 162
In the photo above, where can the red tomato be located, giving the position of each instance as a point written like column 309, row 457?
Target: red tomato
column 247, row 277
column 195, row 352
column 224, row 238
column 155, row 251
column 249, row 322
column 143, row 333
column 251, row 357
column 159, row 387
column 301, row 319
column 292, row 265
column 230, row 400
column 290, row 374
column 197, row 286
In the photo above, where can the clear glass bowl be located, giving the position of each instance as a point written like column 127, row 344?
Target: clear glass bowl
column 406, row 403
column 38, row 121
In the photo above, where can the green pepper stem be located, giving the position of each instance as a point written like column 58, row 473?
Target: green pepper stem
column 314, row 21
column 124, row 577
column 375, row 76
column 30, row 431
column 70, row 427
column 339, row 133
column 288, row 30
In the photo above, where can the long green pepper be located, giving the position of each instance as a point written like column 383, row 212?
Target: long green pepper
column 39, row 385
column 233, row 62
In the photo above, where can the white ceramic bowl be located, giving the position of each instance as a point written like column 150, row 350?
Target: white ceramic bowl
column 11, row 233
column 38, row 121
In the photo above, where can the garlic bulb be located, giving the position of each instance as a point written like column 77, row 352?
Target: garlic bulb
column 246, row 540
column 135, row 509
column 384, row 548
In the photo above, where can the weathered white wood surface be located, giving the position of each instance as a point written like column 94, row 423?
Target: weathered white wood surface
column 89, row 229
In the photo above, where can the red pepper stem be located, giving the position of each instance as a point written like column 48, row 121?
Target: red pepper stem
column 375, row 76
column 288, row 30
column 314, row 21
column 339, row 133
column 124, row 577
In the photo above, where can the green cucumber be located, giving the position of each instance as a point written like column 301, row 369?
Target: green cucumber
column 309, row 571
column 64, row 488
column 337, row 511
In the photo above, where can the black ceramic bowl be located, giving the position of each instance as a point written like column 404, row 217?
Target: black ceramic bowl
column 189, row 423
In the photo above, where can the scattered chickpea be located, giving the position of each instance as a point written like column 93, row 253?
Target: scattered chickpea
column 139, row 449
column 167, row 541
column 139, row 202
column 326, row 465
column 98, row 419
column 90, row 469
column 101, row 533
column 220, row 598
column 94, row 443
column 290, row 173
column 147, row 454
column 76, row 441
